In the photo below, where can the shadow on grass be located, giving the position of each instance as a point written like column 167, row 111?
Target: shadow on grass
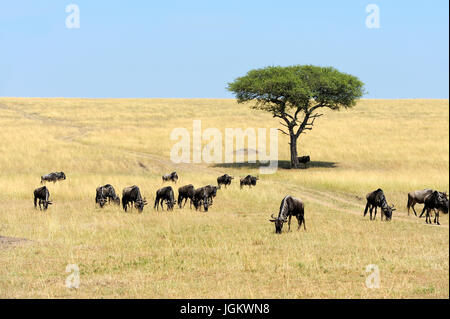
column 281, row 165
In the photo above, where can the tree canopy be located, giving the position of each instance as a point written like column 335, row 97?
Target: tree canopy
column 294, row 93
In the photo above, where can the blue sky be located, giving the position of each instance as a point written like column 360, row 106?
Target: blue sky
column 193, row 48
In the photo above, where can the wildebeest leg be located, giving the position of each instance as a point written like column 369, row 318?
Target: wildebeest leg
column 436, row 217
column 289, row 223
column 423, row 211
column 370, row 211
column 427, row 216
column 35, row 203
column 412, row 206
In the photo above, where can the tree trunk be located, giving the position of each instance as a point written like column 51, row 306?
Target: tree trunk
column 294, row 155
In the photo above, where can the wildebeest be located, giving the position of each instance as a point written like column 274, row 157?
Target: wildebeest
column 304, row 160
column 43, row 195
column 53, row 177
column 290, row 206
column 106, row 193
column 438, row 202
column 201, row 198
column 165, row 194
column 224, row 180
column 377, row 199
column 170, row 177
column 184, row 193
column 249, row 181
column 132, row 195
column 211, row 192
column 417, row 197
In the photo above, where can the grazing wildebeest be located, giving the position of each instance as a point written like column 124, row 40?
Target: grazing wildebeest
column 165, row 194
column 185, row 193
column 248, row 180
column 290, row 206
column 132, row 195
column 211, row 192
column 43, row 195
column 438, row 202
column 304, row 160
column 53, row 177
column 201, row 198
column 224, row 180
column 106, row 193
column 170, row 177
column 377, row 199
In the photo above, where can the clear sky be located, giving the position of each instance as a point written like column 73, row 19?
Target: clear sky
column 193, row 48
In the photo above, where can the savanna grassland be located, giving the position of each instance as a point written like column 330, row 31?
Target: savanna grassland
column 232, row 250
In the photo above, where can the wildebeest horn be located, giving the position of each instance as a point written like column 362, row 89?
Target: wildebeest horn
column 273, row 216
column 49, row 203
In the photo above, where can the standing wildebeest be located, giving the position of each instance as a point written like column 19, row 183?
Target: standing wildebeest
column 43, row 195
column 186, row 192
column 165, row 194
column 106, row 193
column 211, row 192
column 132, row 195
column 417, row 197
column 170, row 177
column 224, row 180
column 290, row 206
column 304, row 160
column 249, row 180
column 201, row 198
column 53, row 177
column 438, row 202
column 377, row 199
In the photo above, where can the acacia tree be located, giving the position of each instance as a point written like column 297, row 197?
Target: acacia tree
column 295, row 94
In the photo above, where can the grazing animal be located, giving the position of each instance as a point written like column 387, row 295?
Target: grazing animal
column 132, row 195
column 53, row 177
column 211, row 192
column 438, row 202
column 43, row 195
column 170, row 177
column 184, row 193
column 377, row 199
column 290, row 206
column 224, row 180
column 106, row 193
column 249, row 181
column 304, row 160
column 201, row 198
column 165, row 194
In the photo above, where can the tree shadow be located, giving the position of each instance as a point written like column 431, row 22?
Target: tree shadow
column 281, row 164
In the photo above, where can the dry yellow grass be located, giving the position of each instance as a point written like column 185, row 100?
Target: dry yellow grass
column 231, row 251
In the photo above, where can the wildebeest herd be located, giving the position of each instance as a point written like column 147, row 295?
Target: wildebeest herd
column 203, row 197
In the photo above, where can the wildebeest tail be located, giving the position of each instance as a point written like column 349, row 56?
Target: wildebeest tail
column 366, row 209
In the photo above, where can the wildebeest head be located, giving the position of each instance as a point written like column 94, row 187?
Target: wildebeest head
column 388, row 211
column 63, row 176
column 139, row 204
column 278, row 223
column 442, row 204
column 46, row 203
column 102, row 201
column 116, row 200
